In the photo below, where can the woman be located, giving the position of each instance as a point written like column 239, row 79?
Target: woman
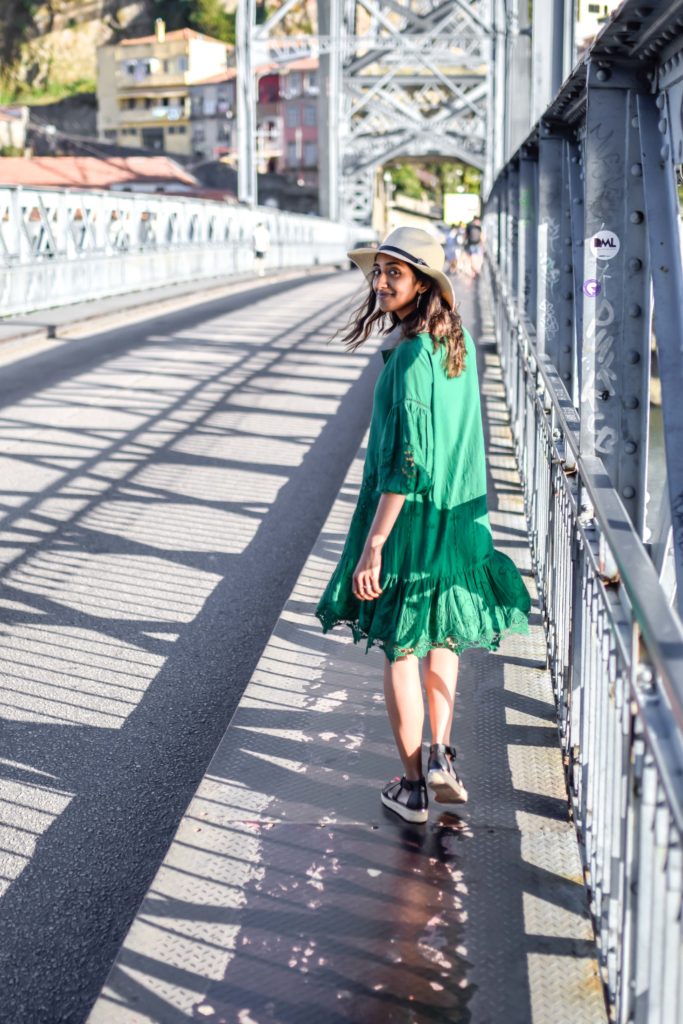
column 418, row 575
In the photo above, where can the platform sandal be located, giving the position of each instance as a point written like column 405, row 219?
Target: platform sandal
column 407, row 798
column 442, row 778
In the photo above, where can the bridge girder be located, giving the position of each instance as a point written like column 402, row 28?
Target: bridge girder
column 406, row 77
column 414, row 83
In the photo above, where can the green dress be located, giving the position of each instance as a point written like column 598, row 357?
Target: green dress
column 443, row 582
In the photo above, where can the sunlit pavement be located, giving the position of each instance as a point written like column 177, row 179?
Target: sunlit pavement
column 290, row 895
column 162, row 485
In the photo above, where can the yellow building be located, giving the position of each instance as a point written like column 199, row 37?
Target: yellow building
column 143, row 87
column 590, row 17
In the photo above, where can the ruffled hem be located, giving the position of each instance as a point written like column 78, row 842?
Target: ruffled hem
column 475, row 609
column 423, row 646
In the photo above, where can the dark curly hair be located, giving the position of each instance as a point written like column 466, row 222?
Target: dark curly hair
column 432, row 315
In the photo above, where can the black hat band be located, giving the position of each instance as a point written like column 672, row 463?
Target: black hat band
column 404, row 254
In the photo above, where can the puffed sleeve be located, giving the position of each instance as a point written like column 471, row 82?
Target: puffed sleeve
column 407, row 446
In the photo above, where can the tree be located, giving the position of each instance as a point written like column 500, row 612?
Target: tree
column 210, row 17
column 406, row 181
column 207, row 16
column 176, row 13
column 16, row 27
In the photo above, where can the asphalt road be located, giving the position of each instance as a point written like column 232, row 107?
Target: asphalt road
column 161, row 485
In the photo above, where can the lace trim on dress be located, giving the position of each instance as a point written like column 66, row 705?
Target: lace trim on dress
column 486, row 641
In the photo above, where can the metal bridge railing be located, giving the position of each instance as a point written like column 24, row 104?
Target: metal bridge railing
column 616, row 656
column 60, row 246
column 583, row 233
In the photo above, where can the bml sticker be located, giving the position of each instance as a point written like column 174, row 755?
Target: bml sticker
column 605, row 245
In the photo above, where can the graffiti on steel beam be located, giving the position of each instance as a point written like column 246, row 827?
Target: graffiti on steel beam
column 548, row 275
column 599, row 377
column 607, row 168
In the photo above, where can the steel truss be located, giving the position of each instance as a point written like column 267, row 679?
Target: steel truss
column 404, row 78
column 584, row 232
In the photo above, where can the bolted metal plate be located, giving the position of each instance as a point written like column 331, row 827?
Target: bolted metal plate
column 290, row 895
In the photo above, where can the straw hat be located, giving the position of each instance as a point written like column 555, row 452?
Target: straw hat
column 415, row 247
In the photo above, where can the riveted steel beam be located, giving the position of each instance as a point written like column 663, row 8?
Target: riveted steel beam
column 662, row 213
column 513, row 225
column 615, row 290
column 573, row 256
column 551, row 204
column 527, row 272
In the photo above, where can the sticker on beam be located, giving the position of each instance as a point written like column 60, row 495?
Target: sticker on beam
column 605, row 245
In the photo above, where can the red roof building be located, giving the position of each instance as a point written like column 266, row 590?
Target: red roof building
column 138, row 173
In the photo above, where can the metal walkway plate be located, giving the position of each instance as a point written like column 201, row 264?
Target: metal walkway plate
column 289, row 895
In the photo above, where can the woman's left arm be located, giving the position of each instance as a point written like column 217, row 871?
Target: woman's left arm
column 366, row 574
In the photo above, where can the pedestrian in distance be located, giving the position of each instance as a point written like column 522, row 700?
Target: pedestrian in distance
column 419, row 576
column 474, row 243
column 261, row 241
column 452, row 249
column 460, row 263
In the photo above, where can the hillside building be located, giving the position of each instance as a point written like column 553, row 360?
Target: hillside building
column 299, row 99
column 286, row 119
column 212, row 110
column 143, row 87
column 13, row 124
column 590, row 17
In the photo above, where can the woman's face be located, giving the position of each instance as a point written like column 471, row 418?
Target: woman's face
column 395, row 285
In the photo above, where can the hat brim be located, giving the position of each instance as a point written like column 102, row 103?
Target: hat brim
column 365, row 259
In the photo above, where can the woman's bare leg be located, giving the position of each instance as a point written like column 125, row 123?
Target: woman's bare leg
column 405, row 707
column 440, row 679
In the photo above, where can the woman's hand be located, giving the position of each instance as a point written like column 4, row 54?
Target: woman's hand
column 366, row 574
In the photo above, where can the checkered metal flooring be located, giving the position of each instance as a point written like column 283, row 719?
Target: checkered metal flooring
column 289, row 895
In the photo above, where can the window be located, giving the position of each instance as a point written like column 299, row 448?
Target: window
column 294, row 83
column 181, row 129
column 291, row 154
column 310, row 114
column 292, row 115
column 313, row 81
column 182, row 63
column 594, row 8
column 310, row 154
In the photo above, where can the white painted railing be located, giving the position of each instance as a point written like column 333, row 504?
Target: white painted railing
column 61, row 246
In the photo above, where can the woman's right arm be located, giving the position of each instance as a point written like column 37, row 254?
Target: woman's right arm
column 367, row 572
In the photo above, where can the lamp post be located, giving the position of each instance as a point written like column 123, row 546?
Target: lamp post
column 247, row 182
